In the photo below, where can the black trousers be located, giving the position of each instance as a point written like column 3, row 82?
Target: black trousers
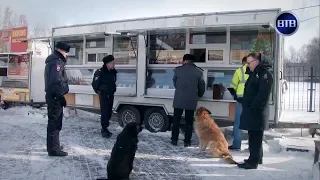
column 55, row 115
column 255, row 146
column 106, row 103
column 176, row 124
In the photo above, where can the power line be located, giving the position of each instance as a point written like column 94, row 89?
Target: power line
column 304, row 7
column 309, row 19
column 250, row 13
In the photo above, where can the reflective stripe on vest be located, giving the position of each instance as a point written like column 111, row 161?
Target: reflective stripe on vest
column 243, row 80
column 242, row 76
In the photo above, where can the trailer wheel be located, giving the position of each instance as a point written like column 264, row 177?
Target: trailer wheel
column 128, row 114
column 156, row 120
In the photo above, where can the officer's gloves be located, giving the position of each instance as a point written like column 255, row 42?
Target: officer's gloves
column 62, row 101
column 239, row 100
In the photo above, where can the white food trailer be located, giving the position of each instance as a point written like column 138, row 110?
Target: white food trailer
column 21, row 74
column 146, row 51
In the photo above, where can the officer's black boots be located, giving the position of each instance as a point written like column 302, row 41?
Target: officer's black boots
column 187, row 144
column 247, row 165
column 106, row 133
column 58, row 153
column 260, row 161
column 174, row 143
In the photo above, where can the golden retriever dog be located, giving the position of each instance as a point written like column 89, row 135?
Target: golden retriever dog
column 210, row 134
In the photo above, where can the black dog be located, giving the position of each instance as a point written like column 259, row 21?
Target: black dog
column 120, row 163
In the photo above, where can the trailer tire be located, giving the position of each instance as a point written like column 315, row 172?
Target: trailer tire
column 156, row 120
column 128, row 114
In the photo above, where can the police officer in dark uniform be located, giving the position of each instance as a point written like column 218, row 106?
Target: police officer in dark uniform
column 104, row 83
column 189, row 86
column 255, row 113
column 56, row 86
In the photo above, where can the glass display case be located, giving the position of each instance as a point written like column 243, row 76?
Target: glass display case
column 218, row 80
column 159, row 82
column 80, row 81
column 6, row 82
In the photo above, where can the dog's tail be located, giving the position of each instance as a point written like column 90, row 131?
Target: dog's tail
column 228, row 158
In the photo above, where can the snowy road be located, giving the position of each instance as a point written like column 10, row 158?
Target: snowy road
column 23, row 154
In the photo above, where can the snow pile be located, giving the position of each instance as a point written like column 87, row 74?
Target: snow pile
column 23, row 152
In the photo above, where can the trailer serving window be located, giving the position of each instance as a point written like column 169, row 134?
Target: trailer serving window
column 244, row 42
column 75, row 56
column 166, row 48
column 125, row 50
column 197, row 37
column 166, row 52
column 97, row 47
column 208, row 45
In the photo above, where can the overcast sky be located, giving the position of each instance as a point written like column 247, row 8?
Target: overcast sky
column 68, row 12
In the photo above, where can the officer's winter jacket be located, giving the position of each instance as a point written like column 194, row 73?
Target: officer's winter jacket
column 56, row 80
column 105, row 80
column 255, row 113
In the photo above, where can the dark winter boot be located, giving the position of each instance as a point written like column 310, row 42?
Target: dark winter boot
column 106, row 133
column 187, row 144
column 174, row 143
column 260, row 161
column 58, row 153
column 233, row 148
column 247, row 166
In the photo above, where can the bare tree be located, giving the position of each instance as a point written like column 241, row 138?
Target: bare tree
column 7, row 19
column 1, row 22
column 10, row 19
column 292, row 55
column 312, row 54
column 40, row 31
column 15, row 21
column 23, row 20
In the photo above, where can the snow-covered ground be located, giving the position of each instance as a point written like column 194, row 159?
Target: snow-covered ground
column 23, row 153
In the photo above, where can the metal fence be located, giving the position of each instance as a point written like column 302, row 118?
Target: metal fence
column 303, row 82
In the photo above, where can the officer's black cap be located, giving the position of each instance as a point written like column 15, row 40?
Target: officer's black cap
column 63, row 46
column 107, row 59
column 189, row 57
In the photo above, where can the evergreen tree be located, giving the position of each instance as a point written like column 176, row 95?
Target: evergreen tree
column 260, row 44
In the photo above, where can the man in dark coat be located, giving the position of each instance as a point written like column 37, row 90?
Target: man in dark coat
column 104, row 83
column 255, row 114
column 189, row 84
column 56, row 86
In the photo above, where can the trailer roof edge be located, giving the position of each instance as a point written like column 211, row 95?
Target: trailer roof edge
column 172, row 16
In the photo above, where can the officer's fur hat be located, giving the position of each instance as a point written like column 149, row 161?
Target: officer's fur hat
column 107, row 59
column 63, row 46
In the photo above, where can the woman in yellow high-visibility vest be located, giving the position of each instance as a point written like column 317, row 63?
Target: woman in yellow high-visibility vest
column 237, row 88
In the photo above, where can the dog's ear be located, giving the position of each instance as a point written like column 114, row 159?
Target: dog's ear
column 208, row 110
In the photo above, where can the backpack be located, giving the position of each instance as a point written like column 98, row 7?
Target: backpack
column 96, row 81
